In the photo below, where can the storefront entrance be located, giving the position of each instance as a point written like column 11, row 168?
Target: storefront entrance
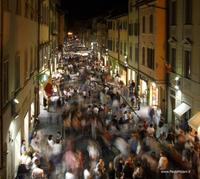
column 154, row 98
column 26, row 129
column 123, row 75
column 143, row 91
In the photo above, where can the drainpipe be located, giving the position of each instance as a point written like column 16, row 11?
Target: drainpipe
column 1, row 84
column 119, row 43
column 138, row 46
column 38, row 60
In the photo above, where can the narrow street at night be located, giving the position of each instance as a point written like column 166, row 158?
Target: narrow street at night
column 99, row 89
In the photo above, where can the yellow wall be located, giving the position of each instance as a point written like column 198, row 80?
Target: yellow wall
column 160, row 41
column 19, row 33
column 61, row 34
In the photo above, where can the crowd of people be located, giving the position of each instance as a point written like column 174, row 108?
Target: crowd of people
column 103, row 137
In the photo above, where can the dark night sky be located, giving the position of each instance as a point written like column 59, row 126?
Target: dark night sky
column 83, row 9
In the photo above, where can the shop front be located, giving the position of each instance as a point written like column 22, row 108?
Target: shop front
column 26, row 128
column 113, row 66
column 131, row 75
column 13, row 149
column 143, row 91
column 154, row 98
column 105, row 60
column 123, row 74
column 194, row 123
column 183, row 114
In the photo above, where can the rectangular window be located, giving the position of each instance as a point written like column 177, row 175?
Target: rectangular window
column 136, row 54
column 173, row 16
column 130, row 29
column 31, row 60
column 143, row 55
column 6, row 5
column 110, row 44
column 136, row 29
column 5, row 82
column 41, row 14
column 26, row 8
column 130, row 53
column 26, row 75
column 35, row 59
column 150, row 58
column 113, row 44
column 121, row 47
column 110, row 25
column 143, row 24
column 124, row 25
column 32, row 10
column 187, row 64
column 151, row 23
column 188, row 11
column 125, row 48
column 117, row 46
column 173, row 59
column 36, row 11
column 17, row 71
column 130, row 6
column 113, row 25
column 18, row 7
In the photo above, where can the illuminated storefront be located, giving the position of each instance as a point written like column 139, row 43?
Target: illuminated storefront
column 154, row 98
column 131, row 75
column 26, row 128
column 143, row 88
column 123, row 74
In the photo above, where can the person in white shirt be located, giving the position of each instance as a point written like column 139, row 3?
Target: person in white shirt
column 57, row 148
column 26, row 160
column 69, row 175
column 96, row 110
column 50, row 141
column 86, row 174
column 37, row 173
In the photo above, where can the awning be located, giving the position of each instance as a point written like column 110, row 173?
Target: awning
column 194, row 122
column 181, row 109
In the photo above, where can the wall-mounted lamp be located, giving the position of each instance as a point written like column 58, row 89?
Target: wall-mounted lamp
column 16, row 101
column 176, row 87
column 153, row 84
column 16, row 115
column 177, row 78
column 177, row 83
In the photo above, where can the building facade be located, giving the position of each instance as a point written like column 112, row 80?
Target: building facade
column 19, row 40
column 133, row 48
column 2, row 166
column 25, row 61
column 183, row 53
column 118, row 46
column 101, row 39
column 150, row 49
column 44, row 35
